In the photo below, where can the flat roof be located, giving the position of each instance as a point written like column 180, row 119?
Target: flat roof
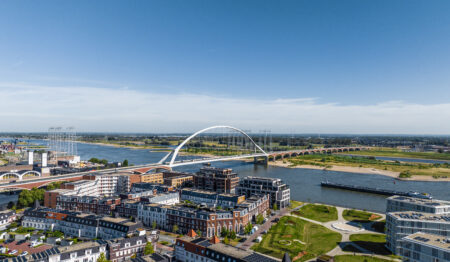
column 421, row 201
column 79, row 246
column 429, row 240
column 422, row 216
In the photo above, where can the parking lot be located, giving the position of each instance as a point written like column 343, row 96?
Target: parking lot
column 25, row 246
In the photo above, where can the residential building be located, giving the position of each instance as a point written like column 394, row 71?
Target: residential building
column 139, row 187
column 192, row 249
column 82, row 252
column 78, row 224
column 153, row 213
column 220, row 180
column 208, row 221
column 211, row 199
column 402, row 224
column 178, row 181
column 122, row 249
column 256, row 205
column 277, row 190
column 6, row 218
column 129, row 208
column 423, row 247
column 403, row 203
column 155, row 257
column 87, row 204
column 156, row 178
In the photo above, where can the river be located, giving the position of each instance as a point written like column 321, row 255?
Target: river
column 304, row 183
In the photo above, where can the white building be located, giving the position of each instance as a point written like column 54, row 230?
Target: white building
column 6, row 218
column 277, row 190
column 422, row 247
column 403, row 203
column 402, row 224
column 149, row 213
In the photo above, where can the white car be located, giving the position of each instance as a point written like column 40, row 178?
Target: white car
column 24, row 253
column 13, row 252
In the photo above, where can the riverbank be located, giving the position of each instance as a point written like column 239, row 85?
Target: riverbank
column 155, row 148
column 358, row 170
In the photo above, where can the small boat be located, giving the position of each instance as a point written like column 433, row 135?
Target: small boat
column 420, row 195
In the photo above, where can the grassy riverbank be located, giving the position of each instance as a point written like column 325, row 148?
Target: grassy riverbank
column 404, row 169
column 390, row 152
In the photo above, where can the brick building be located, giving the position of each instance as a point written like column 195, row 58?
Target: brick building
column 221, row 180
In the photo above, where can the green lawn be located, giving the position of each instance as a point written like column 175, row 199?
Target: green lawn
column 360, row 216
column 351, row 258
column 294, row 235
column 295, row 204
column 321, row 213
column 391, row 152
column 372, row 242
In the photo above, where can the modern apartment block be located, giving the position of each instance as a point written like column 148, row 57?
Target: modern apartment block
column 220, row 180
column 79, row 224
column 277, row 190
column 178, row 181
column 403, row 203
column 423, row 247
column 402, row 224
column 156, row 178
column 188, row 249
column 211, row 199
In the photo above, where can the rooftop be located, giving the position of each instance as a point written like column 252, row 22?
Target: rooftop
column 430, row 240
column 411, row 215
column 79, row 246
column 421, row 201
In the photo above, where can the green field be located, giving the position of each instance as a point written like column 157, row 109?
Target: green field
column 420, row 169
column 297, row 237
column 359, row 216
column 372, row 242
column 351, row 258
column 321, row 213
column 390, row 152
column 295, row 204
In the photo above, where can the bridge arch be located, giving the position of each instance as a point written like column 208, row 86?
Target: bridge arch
column 177, row 149
column 31, row 172
column 10, row 174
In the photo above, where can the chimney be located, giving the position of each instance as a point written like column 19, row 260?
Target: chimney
column 44, row 159
column 30, row 157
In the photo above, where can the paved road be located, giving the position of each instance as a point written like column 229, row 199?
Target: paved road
column 266, row 226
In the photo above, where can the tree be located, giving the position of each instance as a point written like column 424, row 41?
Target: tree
column 275, row 206
column 232, row 234
column 102, row 258
column 175, row 229
column 259, row 219
column 148, row 250
column 199, row 233
column 248, row 228
column 153, row 224
column 224, row 232
column 125, row 162
column 226, row 241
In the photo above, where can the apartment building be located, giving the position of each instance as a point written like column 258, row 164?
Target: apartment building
column 6, row 218
column 277, row 190
column 149, row 213
column 79, row 224
column 87, row 204
column 156, row 178
column 122, row 249
column 423, row 247
column 139, row 187
column 220, row 180
column 256, row 205
column 130, row 208
column 209, row 221
column 403, row 203
column 402, row 224
column 211, row 199
column 178, row 181
column 192, row 249
column 86, row 251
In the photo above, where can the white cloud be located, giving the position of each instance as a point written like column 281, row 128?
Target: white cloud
column 35, row 108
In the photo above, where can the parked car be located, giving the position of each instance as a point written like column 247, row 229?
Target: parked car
column 24, row 253
column 13, row 252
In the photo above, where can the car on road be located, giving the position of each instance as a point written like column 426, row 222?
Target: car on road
column 24, row 253
column 13, row 252
column 264, row 232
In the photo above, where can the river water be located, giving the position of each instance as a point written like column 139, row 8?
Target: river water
column 304, row 183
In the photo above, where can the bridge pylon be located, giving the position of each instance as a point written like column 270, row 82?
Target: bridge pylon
column 262, row 160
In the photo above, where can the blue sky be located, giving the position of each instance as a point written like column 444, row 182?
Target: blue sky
column 325, row 55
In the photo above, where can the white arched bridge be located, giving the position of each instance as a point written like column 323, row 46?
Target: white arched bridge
column 232, row 144
column 251, row 149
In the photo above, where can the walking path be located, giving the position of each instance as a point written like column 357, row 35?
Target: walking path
column 345, row 241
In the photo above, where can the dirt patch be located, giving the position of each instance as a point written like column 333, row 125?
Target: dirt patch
column 299, row 255
column 374, row 217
